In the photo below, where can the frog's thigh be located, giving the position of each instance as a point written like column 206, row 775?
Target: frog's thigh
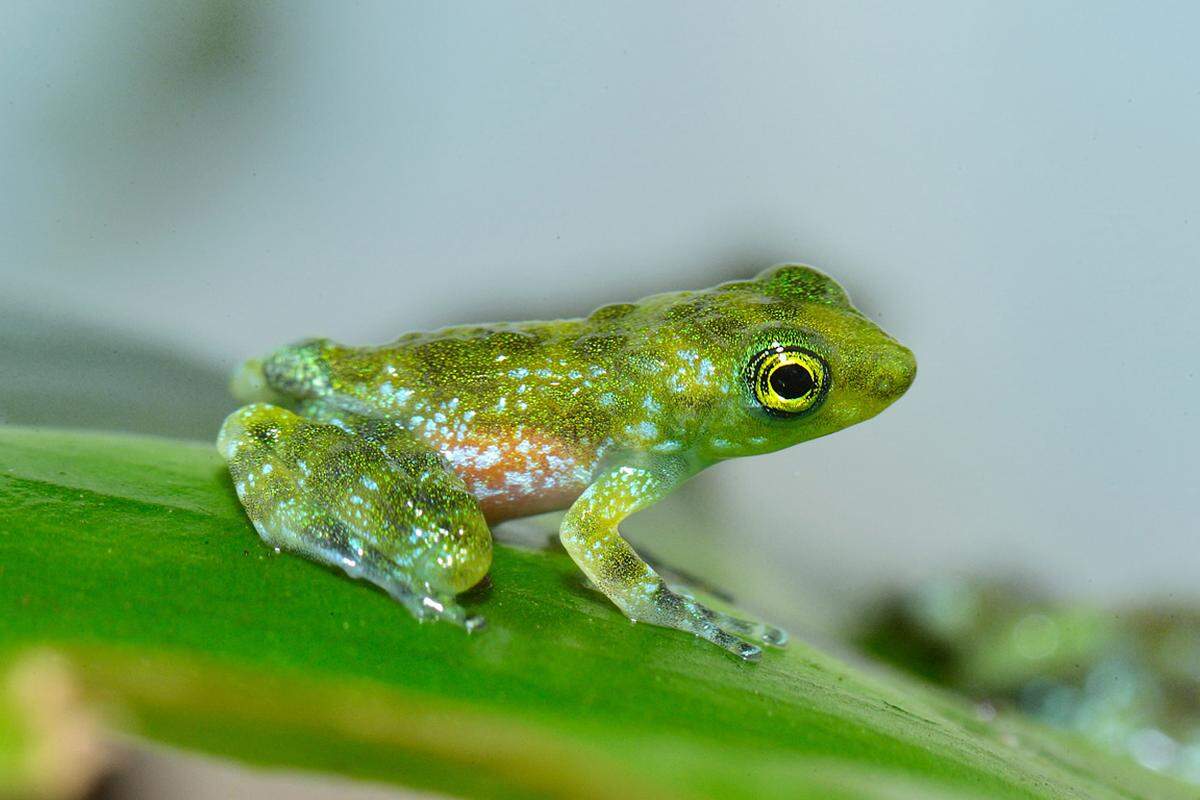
column 364, row 495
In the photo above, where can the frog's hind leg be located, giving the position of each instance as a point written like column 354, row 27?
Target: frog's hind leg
column 364, row 495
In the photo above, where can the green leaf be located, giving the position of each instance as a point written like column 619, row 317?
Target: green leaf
column 128, row 562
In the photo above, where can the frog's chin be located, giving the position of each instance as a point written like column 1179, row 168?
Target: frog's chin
column 762, row 436
column 849, row 414
column 757, row 441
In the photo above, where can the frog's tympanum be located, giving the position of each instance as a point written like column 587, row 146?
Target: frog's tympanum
column 389, row 462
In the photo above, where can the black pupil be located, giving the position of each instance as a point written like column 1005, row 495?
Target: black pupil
column 792, row 381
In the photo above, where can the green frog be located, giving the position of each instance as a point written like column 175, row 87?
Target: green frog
column 390, row 461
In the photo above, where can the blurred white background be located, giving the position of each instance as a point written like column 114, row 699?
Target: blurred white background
column 1012, row 189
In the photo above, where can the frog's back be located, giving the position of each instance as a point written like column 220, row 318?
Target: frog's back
column 453, row 359
column 492, row 370
column 467, row 357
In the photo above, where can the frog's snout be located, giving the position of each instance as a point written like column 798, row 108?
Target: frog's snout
column 894, row 371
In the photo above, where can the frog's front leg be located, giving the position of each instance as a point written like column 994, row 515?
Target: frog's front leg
column 364, row 495
column 590, row 534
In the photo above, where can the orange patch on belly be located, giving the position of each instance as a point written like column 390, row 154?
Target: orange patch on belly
column 515, row 476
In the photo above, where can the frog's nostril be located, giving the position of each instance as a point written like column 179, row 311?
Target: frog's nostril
column 894, row 373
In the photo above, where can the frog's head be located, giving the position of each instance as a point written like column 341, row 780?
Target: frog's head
column 804, row 363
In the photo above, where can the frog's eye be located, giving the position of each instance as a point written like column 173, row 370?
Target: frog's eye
column 788, row 380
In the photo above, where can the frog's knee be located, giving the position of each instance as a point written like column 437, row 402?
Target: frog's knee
column 254, row 441
column 257, row 424
column 464, row 560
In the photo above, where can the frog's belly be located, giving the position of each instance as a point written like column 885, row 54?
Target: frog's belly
column 516, row 477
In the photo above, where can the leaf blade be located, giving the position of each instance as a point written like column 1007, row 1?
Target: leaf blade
column 131, row 557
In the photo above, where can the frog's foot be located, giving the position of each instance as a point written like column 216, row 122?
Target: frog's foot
column 424, row 603
column 673, row 609
column 747, row 628
column 362, row 495
column 751, row 629
column 754, row 630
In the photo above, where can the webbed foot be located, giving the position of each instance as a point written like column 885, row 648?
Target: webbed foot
column 675, row 609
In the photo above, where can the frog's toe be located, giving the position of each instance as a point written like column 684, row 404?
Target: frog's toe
column 675, row 610
column 746, row 628
column 453, row 613
column 748, row 652
column 762, row 632
column 429, row 608
column 734, row 644
column 751, row 629
column 776, row 637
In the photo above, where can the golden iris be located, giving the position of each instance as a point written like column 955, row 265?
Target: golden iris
column 788, row 380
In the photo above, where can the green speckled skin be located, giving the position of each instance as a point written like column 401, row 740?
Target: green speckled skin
column 387, row 460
